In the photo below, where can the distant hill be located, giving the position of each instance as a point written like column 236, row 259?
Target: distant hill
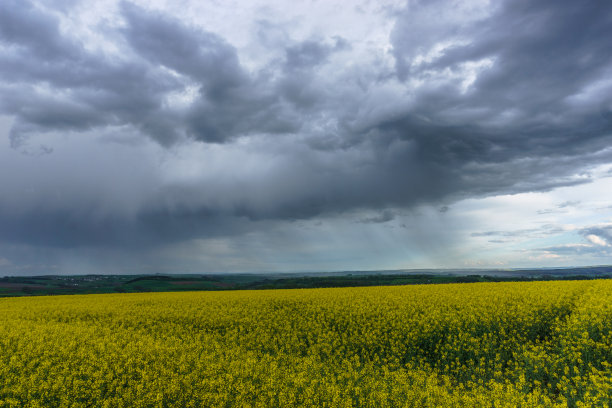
column 83, row 284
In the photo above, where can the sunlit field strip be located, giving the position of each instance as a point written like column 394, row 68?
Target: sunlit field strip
column 484, row 344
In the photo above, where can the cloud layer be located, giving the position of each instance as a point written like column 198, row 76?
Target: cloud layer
column 149, row 129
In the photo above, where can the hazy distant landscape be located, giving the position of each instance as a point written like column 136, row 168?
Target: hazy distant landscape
column 83, row 284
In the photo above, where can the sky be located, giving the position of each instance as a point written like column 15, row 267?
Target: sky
column 212, row 136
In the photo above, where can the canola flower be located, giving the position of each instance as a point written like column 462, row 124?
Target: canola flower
column 532, row 344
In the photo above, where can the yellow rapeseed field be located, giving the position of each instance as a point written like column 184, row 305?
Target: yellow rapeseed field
column 533, row 344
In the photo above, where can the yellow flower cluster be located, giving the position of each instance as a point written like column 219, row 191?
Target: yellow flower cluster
column 533, row 344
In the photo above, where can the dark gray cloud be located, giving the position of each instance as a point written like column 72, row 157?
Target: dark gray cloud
column 382, row 217
column 544, row 230
column 231, row 103
column 570, row 203
column 310, row 53
column 543, row 57
column 483, row 102
column 67, row 229
column 560, row 208
column 599, row 235
column 52, row 83
column 515, row 233
column 597, row 243
column 574, row 250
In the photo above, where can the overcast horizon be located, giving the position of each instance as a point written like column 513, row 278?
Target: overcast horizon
column 262, row 136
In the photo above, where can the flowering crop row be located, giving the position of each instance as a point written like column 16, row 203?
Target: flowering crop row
column 462, row 345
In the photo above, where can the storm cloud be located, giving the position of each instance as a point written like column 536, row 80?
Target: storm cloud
column 460, row 100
